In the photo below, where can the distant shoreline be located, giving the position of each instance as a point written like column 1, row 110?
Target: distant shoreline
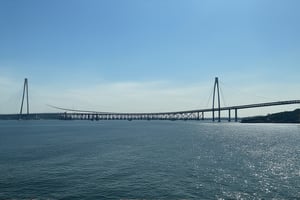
column 281, row 117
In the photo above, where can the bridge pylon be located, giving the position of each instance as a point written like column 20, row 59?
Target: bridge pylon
column 216, row 89
column 25, row 91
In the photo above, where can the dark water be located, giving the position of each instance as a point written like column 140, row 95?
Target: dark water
column 148, row 160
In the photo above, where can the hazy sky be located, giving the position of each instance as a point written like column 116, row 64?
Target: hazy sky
column 148, row 55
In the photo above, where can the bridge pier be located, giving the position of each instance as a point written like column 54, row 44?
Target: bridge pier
column 65, row 115
column 229, row 115
column 236, row 115
column 219, row 115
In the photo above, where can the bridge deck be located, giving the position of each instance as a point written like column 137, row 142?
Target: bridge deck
column 238, row 107
column 188, row 114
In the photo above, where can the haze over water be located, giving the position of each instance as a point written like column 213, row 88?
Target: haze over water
column 148, row 160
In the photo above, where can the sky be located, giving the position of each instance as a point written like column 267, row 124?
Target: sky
column 148, row 55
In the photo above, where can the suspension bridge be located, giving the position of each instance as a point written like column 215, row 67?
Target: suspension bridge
column 198, row 114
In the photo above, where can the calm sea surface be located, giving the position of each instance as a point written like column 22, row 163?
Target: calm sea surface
column 148, row 160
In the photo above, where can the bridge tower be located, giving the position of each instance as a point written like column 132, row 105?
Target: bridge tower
column 216, row 89
column 25, row 90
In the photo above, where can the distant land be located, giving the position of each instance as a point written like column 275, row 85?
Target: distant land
column 282, row 117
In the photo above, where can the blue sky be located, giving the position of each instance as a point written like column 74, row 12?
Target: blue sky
column 148, row 55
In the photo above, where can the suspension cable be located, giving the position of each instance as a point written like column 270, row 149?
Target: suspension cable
column 223, row 97
column 210, row 96
column 247, row 93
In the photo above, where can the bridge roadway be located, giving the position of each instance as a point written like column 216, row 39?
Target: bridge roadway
column 178, row 115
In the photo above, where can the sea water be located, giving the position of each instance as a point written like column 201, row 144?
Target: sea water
column 148, row 160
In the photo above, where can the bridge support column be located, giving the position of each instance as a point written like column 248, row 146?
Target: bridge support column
column 229, row 115
column 236, row 117
column 202, row 115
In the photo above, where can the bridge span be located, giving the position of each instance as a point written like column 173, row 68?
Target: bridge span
column 198, row 114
